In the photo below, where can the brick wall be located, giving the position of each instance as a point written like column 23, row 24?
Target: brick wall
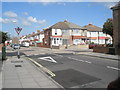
column 101, row 49
column 116, row 28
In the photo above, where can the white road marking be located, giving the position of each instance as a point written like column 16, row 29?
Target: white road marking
column 79, row 60
column 48, row 59
column 113, row 68
column 36, row 54
column 58, row 55
column 88, row 62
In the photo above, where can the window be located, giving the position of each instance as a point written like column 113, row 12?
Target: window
column 76, row 31
column 55, row 31
column 54, row 40
column 65, row 32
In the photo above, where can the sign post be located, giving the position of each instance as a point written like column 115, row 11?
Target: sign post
column 18, row 30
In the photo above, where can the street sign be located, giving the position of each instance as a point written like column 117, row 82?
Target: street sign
column 18, row 30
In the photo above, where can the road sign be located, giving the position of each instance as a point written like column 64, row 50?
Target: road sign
column 18, row 30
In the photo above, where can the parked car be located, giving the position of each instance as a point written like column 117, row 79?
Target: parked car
column 26, row 44
column 92, row 45
column 16, row 46
column 11, row 45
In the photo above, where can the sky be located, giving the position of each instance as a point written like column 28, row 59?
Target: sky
column 33, row 16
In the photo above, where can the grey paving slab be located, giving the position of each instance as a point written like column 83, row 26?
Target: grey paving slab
column 0, row 80
column 26, row 76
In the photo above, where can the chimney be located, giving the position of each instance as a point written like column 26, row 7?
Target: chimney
column 33, row 33
column 65, row 20
column 89, row 24
column 38, row 31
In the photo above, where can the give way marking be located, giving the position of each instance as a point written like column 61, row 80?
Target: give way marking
column 48, row 59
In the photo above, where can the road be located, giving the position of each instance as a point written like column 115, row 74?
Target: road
column 75, row 71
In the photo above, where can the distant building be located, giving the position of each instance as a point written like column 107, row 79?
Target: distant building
column 34, row 39
column 15, row 40
column 95, row 35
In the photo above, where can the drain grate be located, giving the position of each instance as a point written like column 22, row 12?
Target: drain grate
column 16, row 61
column 18, row 65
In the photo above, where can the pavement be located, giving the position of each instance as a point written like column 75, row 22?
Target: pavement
column 22, row 73
column 100, row 55
column 89, row 52
column 0, row 70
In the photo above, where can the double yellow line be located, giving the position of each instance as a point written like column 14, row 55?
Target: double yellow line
column 45, row 69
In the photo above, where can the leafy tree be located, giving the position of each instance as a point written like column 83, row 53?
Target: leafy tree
column 3, row 37
column 108, row 27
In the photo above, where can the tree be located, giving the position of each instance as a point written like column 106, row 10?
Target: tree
column 3, row 37
column 108, row 27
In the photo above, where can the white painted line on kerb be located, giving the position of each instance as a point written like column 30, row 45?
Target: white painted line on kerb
column 113, row 68
column 45, row 69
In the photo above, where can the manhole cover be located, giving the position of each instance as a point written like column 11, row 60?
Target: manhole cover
column 69, row 78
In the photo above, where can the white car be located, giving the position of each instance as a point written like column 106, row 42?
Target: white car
column 16, row 46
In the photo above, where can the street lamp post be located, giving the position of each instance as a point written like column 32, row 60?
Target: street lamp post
column 18, row 30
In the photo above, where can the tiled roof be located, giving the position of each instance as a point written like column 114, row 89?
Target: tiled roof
column 65, row 25
column 91, row 27
column 34, row 34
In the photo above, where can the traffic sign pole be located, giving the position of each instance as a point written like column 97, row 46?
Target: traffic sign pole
column 18, row 30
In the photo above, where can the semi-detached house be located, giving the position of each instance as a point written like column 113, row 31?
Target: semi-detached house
column 95, row 35
column 64, row 34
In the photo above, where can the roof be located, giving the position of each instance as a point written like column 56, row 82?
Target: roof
column 65, row 25
column 34, row 34
column 91, row 27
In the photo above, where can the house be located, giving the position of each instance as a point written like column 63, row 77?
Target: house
column 64, row 34
column 34, row 39
column 95, row 35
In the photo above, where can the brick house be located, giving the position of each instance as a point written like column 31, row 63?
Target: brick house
column 95, row 35
column 64, row 34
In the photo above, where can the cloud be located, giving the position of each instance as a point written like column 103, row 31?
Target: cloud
column 110, row 4
column 6, row 20
column 25, row 13
column 26, row 23
column 10, row 14
column 32, row 19
column 42, row 21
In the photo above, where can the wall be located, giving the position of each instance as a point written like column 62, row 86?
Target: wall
column 116, row 28
column 58, row 31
